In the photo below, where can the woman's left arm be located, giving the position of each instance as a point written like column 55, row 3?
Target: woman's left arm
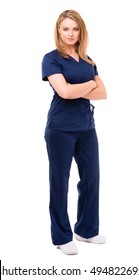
column 97, row 93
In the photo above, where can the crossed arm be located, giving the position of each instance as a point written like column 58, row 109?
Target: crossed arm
column 92, row 90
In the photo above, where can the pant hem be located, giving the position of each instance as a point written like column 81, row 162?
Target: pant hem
column 88, row 235
column 61, row 242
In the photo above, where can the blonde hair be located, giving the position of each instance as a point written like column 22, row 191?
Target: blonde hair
column 81, row 45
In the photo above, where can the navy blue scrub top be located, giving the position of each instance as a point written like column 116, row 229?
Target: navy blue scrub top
column 69, row 114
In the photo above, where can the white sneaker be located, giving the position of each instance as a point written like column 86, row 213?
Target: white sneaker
column 98, row 239
column 68, row 248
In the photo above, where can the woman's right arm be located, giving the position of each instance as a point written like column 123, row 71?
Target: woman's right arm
column 70, row 91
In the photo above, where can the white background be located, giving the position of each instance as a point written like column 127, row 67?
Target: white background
column 26, row 35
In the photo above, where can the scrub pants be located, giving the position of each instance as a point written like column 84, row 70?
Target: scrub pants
column 62, row 147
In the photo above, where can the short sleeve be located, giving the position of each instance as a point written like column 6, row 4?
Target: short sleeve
column 49, row 67
column 95, row 70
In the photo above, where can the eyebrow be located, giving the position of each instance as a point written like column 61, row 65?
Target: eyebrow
column 69, row 27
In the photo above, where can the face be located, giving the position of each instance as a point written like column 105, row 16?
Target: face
column 69, row 32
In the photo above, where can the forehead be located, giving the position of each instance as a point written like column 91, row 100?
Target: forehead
column 68, row 22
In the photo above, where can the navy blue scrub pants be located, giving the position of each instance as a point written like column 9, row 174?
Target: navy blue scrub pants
column 62, row 146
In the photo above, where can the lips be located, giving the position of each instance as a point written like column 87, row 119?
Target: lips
column 70, row 39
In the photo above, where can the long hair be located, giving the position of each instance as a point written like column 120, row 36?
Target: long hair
column 81, row 45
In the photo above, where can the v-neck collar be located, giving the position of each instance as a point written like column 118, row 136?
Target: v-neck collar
column 75, row 59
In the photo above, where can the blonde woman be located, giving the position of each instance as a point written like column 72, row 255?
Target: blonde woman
column 70, row 132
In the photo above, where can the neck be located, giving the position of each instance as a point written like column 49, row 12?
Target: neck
column 70, row 50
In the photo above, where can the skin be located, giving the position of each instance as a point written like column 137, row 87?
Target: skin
column 93, row 89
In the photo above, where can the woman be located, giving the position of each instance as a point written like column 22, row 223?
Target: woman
column 70, row 132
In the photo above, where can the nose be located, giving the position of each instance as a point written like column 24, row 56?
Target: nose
column 70, row 33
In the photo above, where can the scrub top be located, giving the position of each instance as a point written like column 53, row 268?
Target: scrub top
column 69, row 114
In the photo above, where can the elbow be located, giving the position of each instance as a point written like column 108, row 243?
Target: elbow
column 62, row 95
column 104, row 94
column 65, row 94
